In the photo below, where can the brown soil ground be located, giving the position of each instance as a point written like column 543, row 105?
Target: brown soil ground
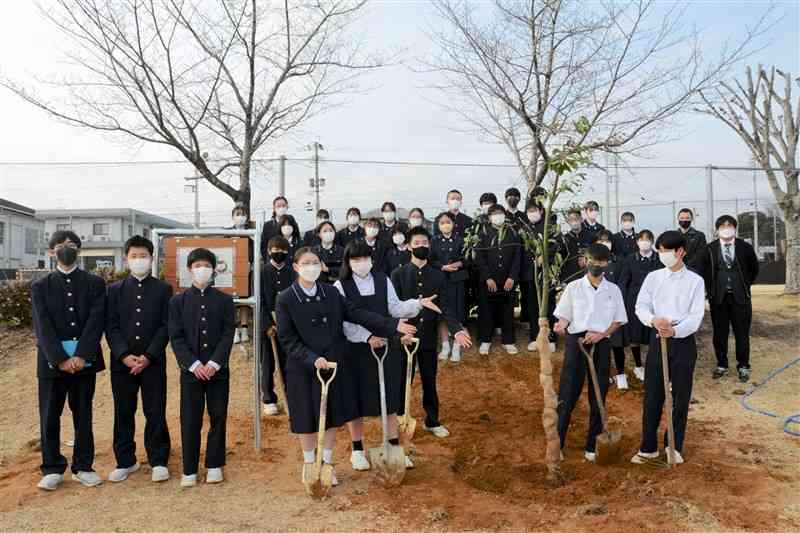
column 742, row 472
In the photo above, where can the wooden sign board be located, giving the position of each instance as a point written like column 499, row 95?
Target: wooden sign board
column 232, row 274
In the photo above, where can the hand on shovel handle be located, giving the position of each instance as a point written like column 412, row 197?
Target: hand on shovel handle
column 405, row 328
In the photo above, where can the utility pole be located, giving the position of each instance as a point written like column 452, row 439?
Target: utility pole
column 282, row 175
column 317, row 147
column 616, row 190
column 608, row 195
column 709, row 200
column 195, row 188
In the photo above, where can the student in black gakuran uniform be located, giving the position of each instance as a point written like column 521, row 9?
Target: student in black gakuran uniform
column 672, row 302
column 311, row 315
column 572, row 247
column 373, row 291
column 137, row 333
column 376, row 244
column 280, row 206
column 729, row 267
column 634, row 271
column 397, row 253
column 330, row 253
column 390, row 223
column 311, row 237
column 591, row 309
column 201, row 324
column 516, row 217
column 353, row 230
column 590, row 225
column 695, row 240
column 420, row 279
column 623, row 243
column 69, row 318
column 461, row 222
column 498, row 258
column 276, row 276
column 447, row 254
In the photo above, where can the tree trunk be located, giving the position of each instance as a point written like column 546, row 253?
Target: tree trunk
column 792, row 218
column 549, row 414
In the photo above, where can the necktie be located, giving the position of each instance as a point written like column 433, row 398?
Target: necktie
column 727, row 254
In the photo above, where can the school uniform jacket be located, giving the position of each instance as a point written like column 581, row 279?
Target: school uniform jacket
column 745, row 265
column 395, row 258
column 588, row 231
column 518, row 219
column 68, row 307
column 499, row 260
column 378, row 252
column 446, row 250
column 344, row 236
column 386, row 232
column 695, row 243
column 273, row 281
column 201, row 325
column 460, row 225
column 269, row 230
column 624, row 245
column 137, row 320
column 310, row 238
column 571, row 248
column 333, row 258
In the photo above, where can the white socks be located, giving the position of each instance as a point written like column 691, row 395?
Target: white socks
column 309, row 457
column 327, row 456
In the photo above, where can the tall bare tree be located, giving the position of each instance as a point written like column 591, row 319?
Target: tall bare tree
column 761, row 112
column 518, row 71
column 225, row 76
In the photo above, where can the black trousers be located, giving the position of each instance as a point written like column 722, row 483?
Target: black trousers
column 573, row 374
column 125, row 387
column 729, row 314
column 268, row 370
column 428, row 368
column 682, row 357
column 195, row 396
column 529, row 299
column 78, row 390
column 495, row 310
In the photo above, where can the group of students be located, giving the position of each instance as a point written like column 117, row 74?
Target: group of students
column 375, row 285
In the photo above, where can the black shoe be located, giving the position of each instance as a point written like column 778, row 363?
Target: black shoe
column 719, row 372
column 744, row 375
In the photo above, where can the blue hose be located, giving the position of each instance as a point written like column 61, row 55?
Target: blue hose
column 787, row 421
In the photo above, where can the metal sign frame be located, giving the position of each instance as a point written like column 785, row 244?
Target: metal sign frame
column 254, row 301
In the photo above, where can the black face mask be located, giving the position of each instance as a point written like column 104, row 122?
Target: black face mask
column 597, row 270
column 278, row 257
column 685, row 224
column 513, row 201
column 67, row 256
column 421, row 252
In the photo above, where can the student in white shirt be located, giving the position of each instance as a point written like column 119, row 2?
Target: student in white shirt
column 591, row 309
column 672, row 302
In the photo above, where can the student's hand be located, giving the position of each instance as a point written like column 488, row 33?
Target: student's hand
column 508, row 285
column 491, row 285
column 130, row 361
column 561, row 326
column 463, row 338
column 376, row 342
column 78, row 363
column 667, row 332
column 324, row 267
column 661, row 322
column 272, row 331
column 210, row 371
column 200, row 373
column 321, row 363
column 582, row 262
column 408, row 340
column 405, row 328
column 428, row 304
column 593, row 337
column 143, row 362
column 66, row 366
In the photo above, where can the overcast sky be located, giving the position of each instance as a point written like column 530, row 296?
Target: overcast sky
column 396, row 121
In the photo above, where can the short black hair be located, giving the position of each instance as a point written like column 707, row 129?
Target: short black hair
column 416, row 210
column 496, row 208
column 279, row 198
column 389, row 205
column 303, row 250
column 419, row 230
column 645, row 233
column 354, row 211
column 446, row 214
column 61, row 236
column 513, row 191
column 686, row 210
column 602, row 234
column 591, row 204
column 323, row 224
column 354, row 249
column 487, row 197
column 137, row 241
column 455, row 191
column 627, row 214
column 201, row 254
column 374, row 221
column 726, row 219
column 278, row 241
column 574, row 211
column 598, row 252
column 323, row 213
column 671, row 240
column 238, row 207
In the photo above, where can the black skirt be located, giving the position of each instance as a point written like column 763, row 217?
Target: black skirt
column 367, row 382
column 636, row 332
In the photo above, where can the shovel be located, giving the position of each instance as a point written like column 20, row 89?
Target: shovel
column 388, row 461
column 668, row 403
column 607, row 446
column 279, row 374
column 407, row 424
column 319, row 478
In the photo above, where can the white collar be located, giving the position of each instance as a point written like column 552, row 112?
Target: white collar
column 603, row 283
column 648, row 255
column 671, row 272
column 142, row 278
column 67, row 272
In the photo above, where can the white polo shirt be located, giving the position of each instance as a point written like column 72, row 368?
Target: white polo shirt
column 590, row 309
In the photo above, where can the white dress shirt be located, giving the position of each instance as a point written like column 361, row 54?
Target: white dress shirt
column 590, row 309
column 397, row 308
column 731, row 249
column 678, row 296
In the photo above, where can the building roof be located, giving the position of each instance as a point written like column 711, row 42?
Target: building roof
column 21, row 209
column 141, row 216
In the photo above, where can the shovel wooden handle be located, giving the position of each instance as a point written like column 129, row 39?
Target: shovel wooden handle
column 279, row 373
column 595, row 383
column 668, row 403
column 409, row 369
column 323, row 410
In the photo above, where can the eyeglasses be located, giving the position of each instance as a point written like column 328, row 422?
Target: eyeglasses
column 65, row 245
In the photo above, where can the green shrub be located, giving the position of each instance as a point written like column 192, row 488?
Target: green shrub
column 15, row 304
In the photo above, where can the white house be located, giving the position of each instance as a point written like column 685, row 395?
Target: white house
column 22, row 242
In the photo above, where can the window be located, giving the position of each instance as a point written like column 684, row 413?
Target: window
column 31, row 241
column 146, row 233
column 100, row 229
column 2, row 232
column 130, row 230
column 63, row 227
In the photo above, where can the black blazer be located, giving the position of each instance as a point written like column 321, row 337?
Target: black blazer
column 499, row 260
column 273, row 281
column 269, row 230
column 746, row 265
column 137, row 320
column 446, row 250
column 194, row 339
column 68, row 307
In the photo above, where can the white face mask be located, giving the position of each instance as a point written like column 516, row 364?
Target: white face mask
column 280, row 211
column 727, row 233
column 287, row 231
column 398, row 238
column 668, row 258
column 497, row 219
column 414, row 222
column 202, row 275
column 485, row 208
column 140, row 265
column 310, row 273
column 388, row 216
column 574, row 226
column 534, row 216
column 361, row 268
column 353, row 220
column 627, row 225
column 240, row 220
column 372, row 232
column 327, row 236
column 454, row 204
column 644, row 246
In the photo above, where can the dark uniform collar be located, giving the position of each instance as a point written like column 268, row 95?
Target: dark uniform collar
column 195, row 290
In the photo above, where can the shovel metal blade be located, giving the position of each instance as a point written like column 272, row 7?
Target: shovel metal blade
column 607, row 448
column 407, row 425
column 318, row 480
column 389, row 463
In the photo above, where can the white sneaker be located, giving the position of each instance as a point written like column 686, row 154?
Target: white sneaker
column 445, row 353
column 678, row 456
column 214, row 475
column 409, row 464
column 244, row 336
column 334, row 479
column 270, row 409
column 439, row 431
column 560, row 455
column 306, row 466
column 189, row 481
column 484, row 348
column 237, row 338
column 511, row 349
column 639, row 373
column 552, row 347
column 88, row 479
column 641, row 457
column 121, row 474
column 50, row 481
column 359, row 461
column 498, row 332
column 622, row 381
column 533, row 347
column 455, row 356
column 590, row 456
column 160, row 474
